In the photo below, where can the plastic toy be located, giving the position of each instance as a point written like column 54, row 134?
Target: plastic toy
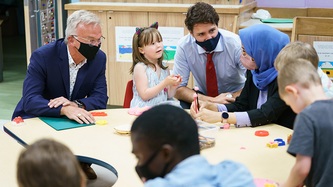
column 98, row 113
column 289, row 138
column 226, row 126
column 272, row 144
column 280, row 141
column 101, row 122
column 261, row 133
column 18, row 120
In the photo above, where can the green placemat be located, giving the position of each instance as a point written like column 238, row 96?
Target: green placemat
column 277, row 20
column 62, row 123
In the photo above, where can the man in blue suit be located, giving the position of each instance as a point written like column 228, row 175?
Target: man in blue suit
column 67, row 77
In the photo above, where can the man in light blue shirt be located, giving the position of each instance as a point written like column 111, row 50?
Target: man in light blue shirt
column 191, row 56
column 165, row 142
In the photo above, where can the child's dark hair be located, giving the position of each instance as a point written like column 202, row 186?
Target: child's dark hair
column 147, row 36
column 167, row 124
column 201, row 13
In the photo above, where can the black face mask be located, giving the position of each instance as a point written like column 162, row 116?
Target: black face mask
column 88, row 51
column 144, row 172
column 209, row 45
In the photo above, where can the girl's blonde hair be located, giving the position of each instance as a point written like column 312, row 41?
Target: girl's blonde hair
column 146, row 37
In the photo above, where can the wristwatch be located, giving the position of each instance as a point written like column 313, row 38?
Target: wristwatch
column 79, row 104
column 225, row 116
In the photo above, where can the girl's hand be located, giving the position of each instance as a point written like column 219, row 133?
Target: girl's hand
column 178, row 80
column 170, row 80
column 173, row 80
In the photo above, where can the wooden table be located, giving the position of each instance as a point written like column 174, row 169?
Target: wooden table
column 10, row 151
column 103, row 143
column 284, row 27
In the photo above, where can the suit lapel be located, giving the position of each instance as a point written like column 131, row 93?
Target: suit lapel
column 64, row 66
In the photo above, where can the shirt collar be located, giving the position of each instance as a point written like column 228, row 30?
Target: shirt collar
column 72, row 63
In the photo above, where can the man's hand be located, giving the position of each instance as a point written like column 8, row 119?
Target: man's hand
column 78, row 114
column 56, row 102
column 223, row 98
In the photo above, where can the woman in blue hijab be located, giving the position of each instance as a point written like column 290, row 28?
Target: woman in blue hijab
column 259, row 103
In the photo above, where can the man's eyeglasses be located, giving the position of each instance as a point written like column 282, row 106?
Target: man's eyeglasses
column 90, row 41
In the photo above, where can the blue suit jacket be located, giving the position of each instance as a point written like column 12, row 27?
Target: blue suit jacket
column 48, row 78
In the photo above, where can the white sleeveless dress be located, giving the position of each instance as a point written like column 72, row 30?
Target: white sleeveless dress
column 153, row 80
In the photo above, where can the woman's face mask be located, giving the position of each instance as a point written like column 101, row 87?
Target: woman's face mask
column 247, row 61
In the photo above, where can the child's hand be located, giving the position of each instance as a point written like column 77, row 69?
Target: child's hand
column 173, row 80
column 170, row 80
column 180, row 79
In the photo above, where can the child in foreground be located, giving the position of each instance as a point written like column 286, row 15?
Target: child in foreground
column 165, row 142
column 47, row 163
column 306, row 51
column 152, row 82
column 300, row 87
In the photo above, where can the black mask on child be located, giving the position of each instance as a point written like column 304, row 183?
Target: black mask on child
column 144, row 172
column 209, row 45
column 87, row 50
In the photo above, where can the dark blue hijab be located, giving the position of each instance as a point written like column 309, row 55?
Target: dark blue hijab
column 263, row 43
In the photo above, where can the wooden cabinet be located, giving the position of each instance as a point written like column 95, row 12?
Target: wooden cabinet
column 143, row 14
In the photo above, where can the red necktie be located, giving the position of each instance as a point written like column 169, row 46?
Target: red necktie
column 211, row 80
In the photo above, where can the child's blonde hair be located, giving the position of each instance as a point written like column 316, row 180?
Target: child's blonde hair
column 48, row 163
column 296, row 50
column 300, row 72
column 147, row 36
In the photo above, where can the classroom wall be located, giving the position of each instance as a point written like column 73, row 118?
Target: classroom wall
column 295, row 3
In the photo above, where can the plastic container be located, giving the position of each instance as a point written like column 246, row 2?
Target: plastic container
column 207, row 134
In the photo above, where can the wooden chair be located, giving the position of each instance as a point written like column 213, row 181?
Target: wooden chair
column 309, row 29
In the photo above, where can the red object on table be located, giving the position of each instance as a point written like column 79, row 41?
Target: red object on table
column 261, row 133
column 18, row 120
column 98, row 113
